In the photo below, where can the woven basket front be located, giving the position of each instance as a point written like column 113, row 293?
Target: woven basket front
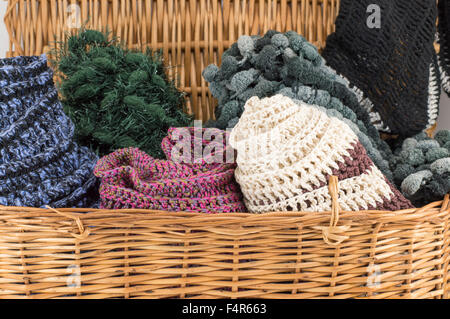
column 147, row 254
column 85, row 253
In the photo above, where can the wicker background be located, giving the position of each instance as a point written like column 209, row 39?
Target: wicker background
column 191, row 33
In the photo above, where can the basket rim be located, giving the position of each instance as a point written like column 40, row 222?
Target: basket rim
column 75, row 223
column 437, row 209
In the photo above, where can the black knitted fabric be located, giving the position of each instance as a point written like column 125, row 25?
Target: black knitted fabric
column 444, row 41
column 390, row 64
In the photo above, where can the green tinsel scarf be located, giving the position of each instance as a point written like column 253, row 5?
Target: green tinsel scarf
column 117, row 97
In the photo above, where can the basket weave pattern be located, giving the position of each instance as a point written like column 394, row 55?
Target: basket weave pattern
column 191, row 33
column 149, row 254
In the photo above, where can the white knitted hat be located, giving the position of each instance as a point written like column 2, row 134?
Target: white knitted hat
column 286, row 152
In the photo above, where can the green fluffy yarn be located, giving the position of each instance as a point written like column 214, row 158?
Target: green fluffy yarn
column 421, row 167
column 117, row 97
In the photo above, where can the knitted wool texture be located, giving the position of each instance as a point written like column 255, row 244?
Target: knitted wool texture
column 39, row 162
column 117, row 97
column 390, row 64
column 336, row 109
column 289, row 65
column 421, row 167
column 133, row 179
column 444, row 41
column 286, row 153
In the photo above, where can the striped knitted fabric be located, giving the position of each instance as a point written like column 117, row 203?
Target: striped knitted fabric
column 39, row 162
column 444, row 41
column 287, row 151
column 132, row 179
column 392, row 66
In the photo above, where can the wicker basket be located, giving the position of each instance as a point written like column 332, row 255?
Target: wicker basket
column 85, row 253
column 148, row 254
column 191, row 33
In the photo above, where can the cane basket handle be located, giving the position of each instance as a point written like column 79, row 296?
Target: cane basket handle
column 84, row 233
column 333, row 234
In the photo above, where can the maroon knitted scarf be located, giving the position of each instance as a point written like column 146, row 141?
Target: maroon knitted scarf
column 195, row 177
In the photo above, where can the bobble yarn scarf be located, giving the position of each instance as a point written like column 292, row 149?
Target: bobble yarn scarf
column 421, row 167
column 285, row 63
column 39, row 162
column 132, row 179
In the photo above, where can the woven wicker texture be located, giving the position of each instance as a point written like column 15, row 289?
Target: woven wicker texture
column 191, row 33
column 142, row 254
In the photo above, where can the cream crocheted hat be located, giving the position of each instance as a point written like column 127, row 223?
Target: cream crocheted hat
column 287, row 151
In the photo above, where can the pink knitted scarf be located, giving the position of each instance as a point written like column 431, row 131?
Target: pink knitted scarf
column 133, row 179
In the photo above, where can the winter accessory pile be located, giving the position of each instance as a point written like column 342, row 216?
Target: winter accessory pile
column 287, row 64
column 117, row 98
column 132, row 179
column 393, row 67
column 39, row 162
column 422, row 167
column 287, row 151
